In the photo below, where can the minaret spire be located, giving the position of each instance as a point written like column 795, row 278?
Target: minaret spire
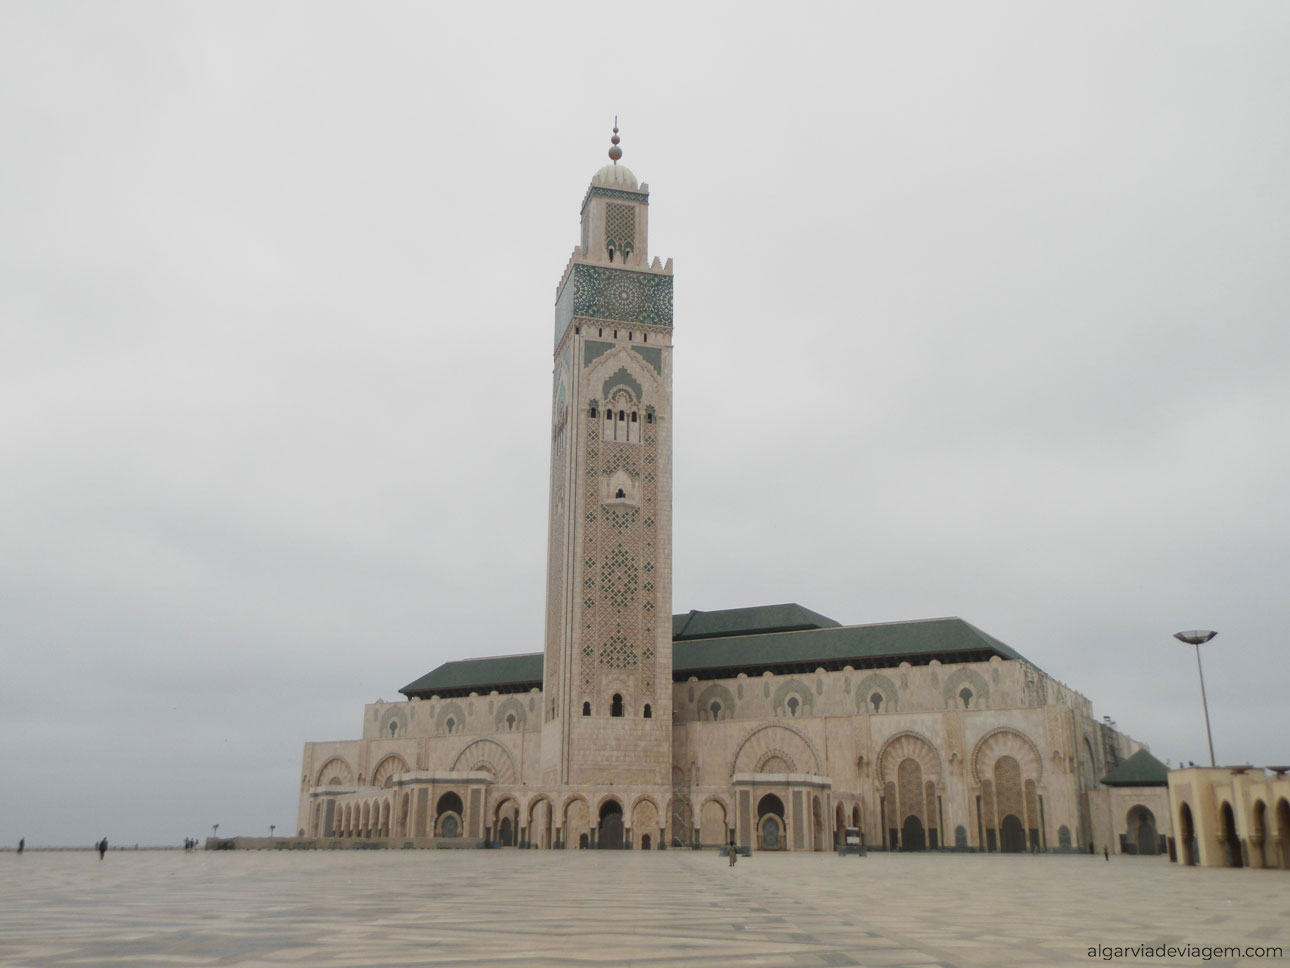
column 615, row 152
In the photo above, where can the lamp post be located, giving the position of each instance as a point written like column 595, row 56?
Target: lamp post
column 1199, row 637
column 214, row 830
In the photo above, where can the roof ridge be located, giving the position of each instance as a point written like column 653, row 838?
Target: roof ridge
column 502, row 655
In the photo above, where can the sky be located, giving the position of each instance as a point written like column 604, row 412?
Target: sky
column 980, row 311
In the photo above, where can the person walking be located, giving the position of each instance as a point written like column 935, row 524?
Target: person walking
column 1106, row 852
column 22, row 842
column 733, row 853
column 102, row 845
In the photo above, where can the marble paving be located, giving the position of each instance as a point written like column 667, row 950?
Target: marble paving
column 531, row 909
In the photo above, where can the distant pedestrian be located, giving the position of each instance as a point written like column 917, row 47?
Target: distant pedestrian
column 22, row 842
column 734, row 854
column 102, row 845
column 1106, row 852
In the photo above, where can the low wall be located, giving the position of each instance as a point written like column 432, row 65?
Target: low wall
column 344, row 843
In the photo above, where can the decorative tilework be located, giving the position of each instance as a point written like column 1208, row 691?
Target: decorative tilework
column 632, row 297
column 620, row 227
column 622, row 378
column 617, row 653
column 619, row 578
column 594, row 348
column 653, row 356
column 619, row 193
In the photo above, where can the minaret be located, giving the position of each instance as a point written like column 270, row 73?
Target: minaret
column 608, row 662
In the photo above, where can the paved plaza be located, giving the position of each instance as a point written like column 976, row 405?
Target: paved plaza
column 674, row 908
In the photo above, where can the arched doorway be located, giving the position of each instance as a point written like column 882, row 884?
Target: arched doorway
column 770, row 823
column 644, row 820
column 713, row 830
column 681, row 826
column 611, row 826
column 577, row 822
column 912, row 835
column 1012, row 835
column 645, row 842
column 1142, row 831
column 1187, row 837
column 506, row 823
column 1231, row 842
column 447, row 816
column 1283, row 832
column 1258, row 835
column 540, row 823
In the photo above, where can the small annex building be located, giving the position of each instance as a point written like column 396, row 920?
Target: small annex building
column 773, row 727
column 1232, row 816
column 1133, row 806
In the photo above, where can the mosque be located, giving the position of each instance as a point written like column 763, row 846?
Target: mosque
column 773, row 726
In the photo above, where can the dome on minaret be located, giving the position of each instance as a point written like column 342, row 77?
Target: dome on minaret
column 615, row 176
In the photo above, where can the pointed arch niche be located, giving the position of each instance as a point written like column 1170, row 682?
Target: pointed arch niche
column 1008, row 772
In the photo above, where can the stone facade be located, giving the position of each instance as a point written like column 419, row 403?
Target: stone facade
column 773, row 727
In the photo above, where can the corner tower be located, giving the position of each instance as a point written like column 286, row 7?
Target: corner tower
column 607, row 672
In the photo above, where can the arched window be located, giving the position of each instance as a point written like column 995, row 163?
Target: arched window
column 510, row 721
column 450, row 724
column 616, row 707
column 586, row 709
column 649, row 713
column 620, row 493
column 792, row 705
column 876, row 699
column 594, row 413
column 394, row 727
column 966, row 695
column 633, row 416
column 622, row 415
column 649, row 418
column 715, row 709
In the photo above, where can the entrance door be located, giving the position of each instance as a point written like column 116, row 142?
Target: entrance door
column 1012, row 836
column 506, row 832
column 1148, row 841
column 1231, row 843
column 770, row 833
column 1187, row 837
column 911, row 834
column 611, row 832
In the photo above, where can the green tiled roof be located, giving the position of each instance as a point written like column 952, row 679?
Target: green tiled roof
column 747, row 621
column 753, row 640
column 947, row 639
column 1140, row 769
column 505, row 673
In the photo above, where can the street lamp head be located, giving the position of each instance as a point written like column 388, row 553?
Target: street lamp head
column 1195, row 636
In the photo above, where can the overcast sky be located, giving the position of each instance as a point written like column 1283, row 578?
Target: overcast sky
column 981, row 310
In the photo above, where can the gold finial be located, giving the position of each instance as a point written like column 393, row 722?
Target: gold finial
column 615, row 152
